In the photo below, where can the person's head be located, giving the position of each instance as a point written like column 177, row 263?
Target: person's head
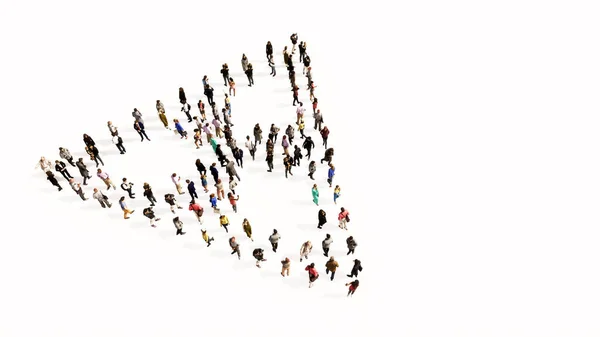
column 95, row 190
column 80, row 159
column 315, row 99
column 50, row 174
column 203, row 231
column 331, row 258
column 274, row 231
column 174, row 175
column 124, row 180
column 342, row 209
column 350, row 238
column 187, row 181
column 212, row 195
column 315, row 186
column 213, row 164
column 176, row 219
column 226, row 95
column 219, row 181
column 99, row 171
column 312, row 265
column 327, row 236
column 181, row 89
column 121, row 198
column 284, row 136
column 337, row 186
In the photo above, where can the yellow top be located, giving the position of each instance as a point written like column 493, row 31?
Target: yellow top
column 224, row 220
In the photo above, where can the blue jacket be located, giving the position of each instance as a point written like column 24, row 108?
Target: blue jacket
column 330, row 173
column 213, row 202
column 178, row 127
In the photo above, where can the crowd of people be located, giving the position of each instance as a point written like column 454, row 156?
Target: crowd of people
column 213, row 132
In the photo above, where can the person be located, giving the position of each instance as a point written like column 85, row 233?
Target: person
column 126, row 210
column 180, row 129
column 94, row 154
column 351, row 243
column 182, row 98
column 176, row 180
column 285, row 267
column 325, row 135
column 178, row 225
column 330, row 174
column 118, row 141
column 258, row 255
column 326, row 244
column 355, row 269
column 235, row 247
column 231, row 86
column 274, row 239
column 308, row 145
column 206, row 238
column 66, row 155
column 322, row 216
column 272, row 66
column 77, row 188
column 112, row 129
column 186, row 110
column 106, row 179
column 149, row 194
column 213, row 203
column 305, row 249
column 141, row 130
column 137, row 115
column 328, row 156
column 313, row 275
column 127, row 187
column 331, row 266
column 191, row 189
column 197, row 209
column 247, row 229
column 249, row 73
column 170, row 199
column 336, row 193
column 224, row 222
column 251, row 146
column 233, row 200
column 353, row 286
column 149, row 213
column 102, row 199
column 343, row 218
column 269, row 49
column 62, row 168
column 225, row 73
column 315, row 194
column 52, row 179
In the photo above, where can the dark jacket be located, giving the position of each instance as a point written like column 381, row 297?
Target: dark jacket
column 88, row 141
column 191, row 188
column 351, row 243
column 60, row 167
column 322, row 218
column 170, row 199
column 214, row 172
column 269, row 49
column 138, row 126
column 201, row 168
column 82, row 168
column 308, row 144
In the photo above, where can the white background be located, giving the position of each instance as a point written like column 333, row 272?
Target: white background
column 466, row 148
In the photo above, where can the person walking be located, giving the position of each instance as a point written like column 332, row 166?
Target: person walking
column 149, row 194
column 343, row 218
column 322, row 219
column 128, row 187
column 318, row 120
column 301, row 127
column 235, row 247
column 206, row 238
column 180, row 129
column 224, row 222
column 325, row 135
column 295, row 97
column 250, row 74
column 351, row 243
column 272, row 66
column 326, row 244
column 274, row 239
column 308, row 145
column 313, row 275
column 233, row 200
column 258, row 254
column 149, row 213
column 251, row 146
column 315, row 194
column 209, row 93
column 247, row 229
column 287, row 163
column 328, row 156
column 186, row 108
column 297, row 156
column 182, row 98
column 61, row 167
column 178, row 226
column 162, row 115
column 305, row 249
column 141, row 130
column 220, row 190
column 52, row 179
column 200, row 167
column 355, row 269
column 197, row 209
column 269, row 49
column 225, row 73
column 106, row 179
column 124, row 208
column 66, row 155
column 331, row 266
column 270, row 155
column 257, row 134
column 170, row 199
column 353, row 286
column 231, row 86
column 102, row 199
column 230, row 169
column 238, row 155
column 77, row 188
column 83, row 170
column 214, row 172
column 204, row 182
column 94, row 154
column 118, row 141
column 285, row 267
column 330, row 174
column 137, row 115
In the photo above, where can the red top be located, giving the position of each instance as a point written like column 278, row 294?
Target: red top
column 312, row 271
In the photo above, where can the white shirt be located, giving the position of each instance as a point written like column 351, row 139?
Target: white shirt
column 250, row 145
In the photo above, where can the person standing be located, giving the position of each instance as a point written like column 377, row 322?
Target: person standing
column 301, row 127
column 206, row 238
column 355, row 269
column 209, row 93
column 322, row 216
column 245, row 62
column 302, row 48
column 273, row 133
column 272, row 65
column 315, row 194
column 62, row 168
column 214, row 172
column 202, row 109
column 289, row 131
column 231, row 86
column 182, row 98
column 204, row 182
column 251, row 146
column 235, row 247
column 330, row 174
column 66, row 155
column 306, row 63
column 351, row 243
column 162, row 115
column 331, row 266
column 112, row 129
column 257, row 134
column 308, row 145
column 127, row 187
column 297, row 156
column 102, row 199
column 343, row 218
column 118, row 141
column 177, row 181
column 247, row 229
column 126, row 210
column 178, row 225
column 326, row 244
column 106, row 179
column 318, row 116
column 186, row 110
column 225, row 73
column 170, row 199
column 149, row 213
column 94, row 154
column 141, row 130
column 353, row 286
column 269, row 49
column 149, row 194
column 52, row 179
column 270, row 155
column 233, row 200
column 250, row 74
column 220, row 190
column 258, row 254
column 287, row 163
column 336, row 193
column 230, row 169
column 83, row 170
column 238, row 155
column 294, row 39
column 77, row 188
column 200, row 167
column 224, row 222
column 285, row 267
column 180, row 129
column 325, row 135
column 191, row 189
column 274, row 239
column 299, row 111
column 87, row 140
column 313, row 275
column 197, row 209
column 305, row 249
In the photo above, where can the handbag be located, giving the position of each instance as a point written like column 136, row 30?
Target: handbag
column 348, row 218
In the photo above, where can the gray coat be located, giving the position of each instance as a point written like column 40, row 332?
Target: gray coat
column 82, row 169
column 327, row 243
column 138, row 116
column 312, row 168
column 230, row 168
column 274, row 238
column 65, row 154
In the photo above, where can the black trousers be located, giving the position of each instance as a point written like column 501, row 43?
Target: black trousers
column 274, row 245
column 325, row 250
column 193, row 194
column 325, row 142
column 210, row 99
column 296, row 160
column 143, row 134
column 332, row 273
column 308, row 153
column 350, row 250
column 66, row 174
column 70, row 160
column 152, row 200
column 240, row 162
column 131, row 194
column 96, row 158
column 270, row 164
column 121, row 148
column 179, row 231
column 85, row 177
column 252, row 153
